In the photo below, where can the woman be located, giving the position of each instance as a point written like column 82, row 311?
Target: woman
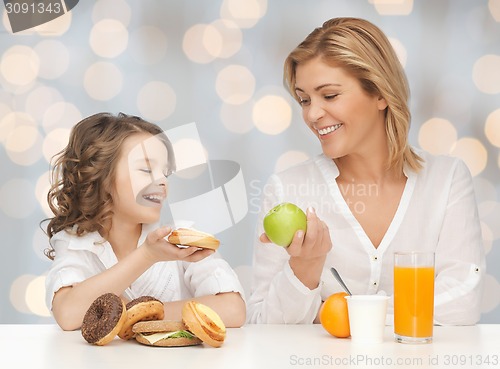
column 109, row 184
column 369, row 194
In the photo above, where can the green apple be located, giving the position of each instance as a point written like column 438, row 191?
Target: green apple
column 282, row 221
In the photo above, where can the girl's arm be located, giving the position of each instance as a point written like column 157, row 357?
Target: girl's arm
column 229, row 305
column 70, row 304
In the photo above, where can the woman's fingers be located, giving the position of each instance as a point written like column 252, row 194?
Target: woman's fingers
column 264, row 239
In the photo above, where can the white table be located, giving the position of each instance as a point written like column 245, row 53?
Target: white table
column 253, row 346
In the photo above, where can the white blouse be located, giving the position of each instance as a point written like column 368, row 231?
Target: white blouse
column 437, row 212
column 79, row 258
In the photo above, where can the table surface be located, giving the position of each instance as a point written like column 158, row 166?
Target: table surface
column 252, row 346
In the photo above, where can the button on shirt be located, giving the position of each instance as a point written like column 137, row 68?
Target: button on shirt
column 79, row 258
column 437, row 212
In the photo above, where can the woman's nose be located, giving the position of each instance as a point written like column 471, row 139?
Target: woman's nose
column 315, row 112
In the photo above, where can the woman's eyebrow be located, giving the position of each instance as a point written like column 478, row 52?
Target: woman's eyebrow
column 321, row 86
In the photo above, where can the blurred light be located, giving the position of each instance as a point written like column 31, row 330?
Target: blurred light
column 484, row 190
column 17, row 291
column 272, row 114
column 437, row 136
column 35, row 297
column 108, row 38
column 112, row 9
column 103, row 81
column 8, row 123
column 16, row 198
column 494, row 7
column 148, row 45
column 246, row 13
column 61, row 114
column 20, row 65
column 39, row 99
column 486, row 74
column 289, row 159
column 393, row 7
column 235, row 84
column 56, row 27
column 491, row 294
column 487, row 236
column 21, row 138
column 54, row 58
column 42, row 188
column 41, row 240
column 453, row 99
column 55, row 141
column 400, row 50
column 237, row 118
column 156, row 101
column 488, row 213
column 188, row 153
column 473, row 153
column 231, row 37
column 202, row 43
column 492, row 127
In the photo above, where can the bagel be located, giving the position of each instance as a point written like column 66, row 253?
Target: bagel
column 192, row 237
column 204, row 323
column 104, row 319
column 140, row 309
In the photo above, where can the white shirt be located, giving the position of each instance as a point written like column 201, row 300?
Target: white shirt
column 437, row 212
column 79, row 258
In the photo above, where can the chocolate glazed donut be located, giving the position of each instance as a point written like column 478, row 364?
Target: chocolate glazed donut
column 104, row 319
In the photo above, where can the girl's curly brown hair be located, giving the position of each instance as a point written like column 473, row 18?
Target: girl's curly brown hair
column 84, row 172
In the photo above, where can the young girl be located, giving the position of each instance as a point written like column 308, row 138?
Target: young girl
column 107, row 190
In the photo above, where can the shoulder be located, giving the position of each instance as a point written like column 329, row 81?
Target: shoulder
column 442, row 168
column 69, row 240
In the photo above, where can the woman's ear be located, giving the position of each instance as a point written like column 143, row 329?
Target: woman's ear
column 381, row 103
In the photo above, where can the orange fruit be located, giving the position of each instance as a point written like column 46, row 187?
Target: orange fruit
column 334, row 316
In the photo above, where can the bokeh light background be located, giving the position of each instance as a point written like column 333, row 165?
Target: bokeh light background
column 219, row 63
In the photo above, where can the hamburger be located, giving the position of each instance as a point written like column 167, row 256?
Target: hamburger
column 165, row 333
column 192, row 237
column 200, row 324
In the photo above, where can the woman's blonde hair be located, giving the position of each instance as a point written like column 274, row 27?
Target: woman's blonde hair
column 363, row 50
column 83, row 174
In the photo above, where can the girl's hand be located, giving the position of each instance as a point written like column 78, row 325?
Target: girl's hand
column 159, row 249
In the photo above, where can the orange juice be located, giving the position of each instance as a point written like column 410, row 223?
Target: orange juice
column 413, row 301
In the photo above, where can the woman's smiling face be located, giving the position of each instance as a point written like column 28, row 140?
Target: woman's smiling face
column 340, row 113
column 140, row 182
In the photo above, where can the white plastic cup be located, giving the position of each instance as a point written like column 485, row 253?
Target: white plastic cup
column 367, row 317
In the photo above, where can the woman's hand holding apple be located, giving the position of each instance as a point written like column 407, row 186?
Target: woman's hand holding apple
column 308, row 250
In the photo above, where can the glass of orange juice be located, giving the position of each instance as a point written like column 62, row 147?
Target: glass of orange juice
column 413, row 297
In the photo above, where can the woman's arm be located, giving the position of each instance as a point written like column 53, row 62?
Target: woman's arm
column 286, row 281
column 460, row 263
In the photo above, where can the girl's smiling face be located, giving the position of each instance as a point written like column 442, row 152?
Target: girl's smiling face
column 341, row 114
column 140, row 183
